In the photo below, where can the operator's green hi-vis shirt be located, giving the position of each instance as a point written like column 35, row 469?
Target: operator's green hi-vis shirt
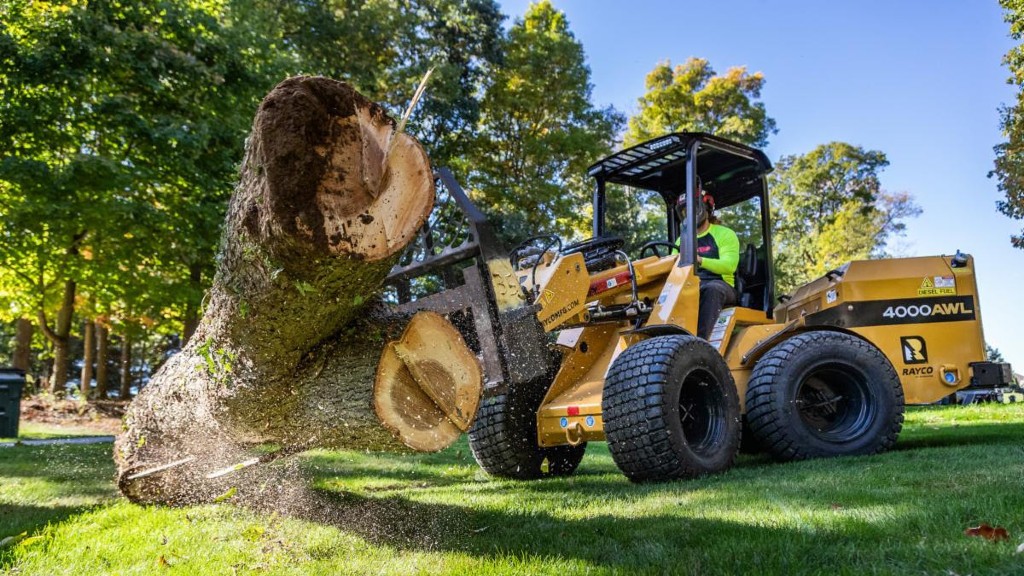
column 719, row 251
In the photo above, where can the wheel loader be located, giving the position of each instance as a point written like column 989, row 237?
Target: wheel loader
column 586, row 342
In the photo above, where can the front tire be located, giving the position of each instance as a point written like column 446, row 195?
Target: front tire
column 503, row 439
column 824, row 394
column 671, row 410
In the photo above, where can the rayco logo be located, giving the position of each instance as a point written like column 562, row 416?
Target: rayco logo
column 915, row 350
column 923, row 371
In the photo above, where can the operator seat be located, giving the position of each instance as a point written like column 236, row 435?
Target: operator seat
column 751, row 279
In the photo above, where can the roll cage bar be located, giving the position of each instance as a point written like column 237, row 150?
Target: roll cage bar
column 669, row 165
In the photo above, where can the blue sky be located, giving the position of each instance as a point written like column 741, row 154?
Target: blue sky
column 920, row 80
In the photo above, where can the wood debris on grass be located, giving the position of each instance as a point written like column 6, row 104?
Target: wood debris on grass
column 993, row 534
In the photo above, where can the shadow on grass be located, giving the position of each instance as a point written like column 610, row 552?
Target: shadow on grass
column 16, row 519
column 416, row 526
column 646, row 543
column 963, row 434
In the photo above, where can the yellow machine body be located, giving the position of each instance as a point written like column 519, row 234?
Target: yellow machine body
column 923, row 314
column 591, row 340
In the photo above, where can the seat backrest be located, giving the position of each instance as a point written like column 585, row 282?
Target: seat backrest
column 751, row 280
column 747, row 268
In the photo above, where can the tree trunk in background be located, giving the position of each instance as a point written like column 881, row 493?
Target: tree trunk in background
column 102, row 340
column 287, row 349
column 22, row 345
column 88, row 357
column 142, row 357
column 60, row 337
column 126, row 367
column 195, row 278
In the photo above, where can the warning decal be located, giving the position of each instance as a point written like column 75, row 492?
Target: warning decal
column 937, row 286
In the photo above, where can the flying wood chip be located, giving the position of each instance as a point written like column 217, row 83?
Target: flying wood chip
column 988, row 532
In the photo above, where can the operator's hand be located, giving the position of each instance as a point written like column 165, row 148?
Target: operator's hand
column 699, row 260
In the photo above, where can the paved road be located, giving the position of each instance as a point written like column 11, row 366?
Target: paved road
column 53, row 441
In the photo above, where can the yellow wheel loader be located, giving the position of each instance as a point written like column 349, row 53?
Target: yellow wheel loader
column 585, row 342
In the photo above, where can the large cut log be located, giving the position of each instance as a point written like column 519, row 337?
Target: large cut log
column 290, row 346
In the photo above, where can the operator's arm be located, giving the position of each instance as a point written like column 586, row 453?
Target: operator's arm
column 728, row 252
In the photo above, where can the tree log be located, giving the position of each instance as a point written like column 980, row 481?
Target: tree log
column 288, row 348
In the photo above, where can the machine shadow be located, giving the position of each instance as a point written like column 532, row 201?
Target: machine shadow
column 488, row 533
column 966, row 434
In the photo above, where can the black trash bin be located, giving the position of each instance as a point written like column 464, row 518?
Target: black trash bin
column 12, row 380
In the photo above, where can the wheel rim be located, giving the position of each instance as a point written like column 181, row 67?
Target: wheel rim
column 702, row 412
column 833, row 402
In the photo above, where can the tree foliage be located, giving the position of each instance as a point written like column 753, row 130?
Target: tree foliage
column 687, row 97
column 993, row 354
column 829, row 208
column 692, row 97
column 1009, row 163
column 384, row 47
column 121, row 120
column 539, row 131
column 122, row 124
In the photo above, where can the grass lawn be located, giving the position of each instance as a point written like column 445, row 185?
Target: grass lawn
column 903, row 512
column 43, row 431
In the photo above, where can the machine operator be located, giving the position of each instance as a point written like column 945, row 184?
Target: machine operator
column 718, row 255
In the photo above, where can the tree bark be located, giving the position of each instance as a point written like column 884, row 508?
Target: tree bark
column 288, row 346
column 60, row 337
column 125, row 392
column 88, row 357
column 102, row 340
column 22, row 345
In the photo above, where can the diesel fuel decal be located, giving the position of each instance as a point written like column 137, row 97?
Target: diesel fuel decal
column 937, row 286
column 915, row 351
column 902, row 311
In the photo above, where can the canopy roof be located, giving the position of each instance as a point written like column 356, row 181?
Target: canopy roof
column 730, row 171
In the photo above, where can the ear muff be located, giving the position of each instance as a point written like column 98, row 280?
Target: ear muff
column 709, row 200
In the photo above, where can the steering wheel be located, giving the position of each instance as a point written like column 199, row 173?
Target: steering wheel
column 653, row 247
column 598, row 253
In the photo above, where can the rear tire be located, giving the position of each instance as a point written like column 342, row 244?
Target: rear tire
column 823, row 394
column 503, row 439
column 671, row 410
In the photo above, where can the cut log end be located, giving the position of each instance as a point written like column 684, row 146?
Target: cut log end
column 428, row 384
column 331, row 182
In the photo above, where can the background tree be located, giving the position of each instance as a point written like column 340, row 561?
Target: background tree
column 539, row 131
column 120, row 118
column 123, row 123
column 993, row 353
column 692, row 97
column 384, row 47
column 688, row 97
column 829, row 208
column 1009, row 163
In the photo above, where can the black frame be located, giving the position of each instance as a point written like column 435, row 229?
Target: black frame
column 654, row 165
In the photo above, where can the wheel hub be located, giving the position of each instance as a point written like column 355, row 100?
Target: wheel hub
column 832, row 403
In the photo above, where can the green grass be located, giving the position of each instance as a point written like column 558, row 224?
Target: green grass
column 903, row 512
column 41, row 431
